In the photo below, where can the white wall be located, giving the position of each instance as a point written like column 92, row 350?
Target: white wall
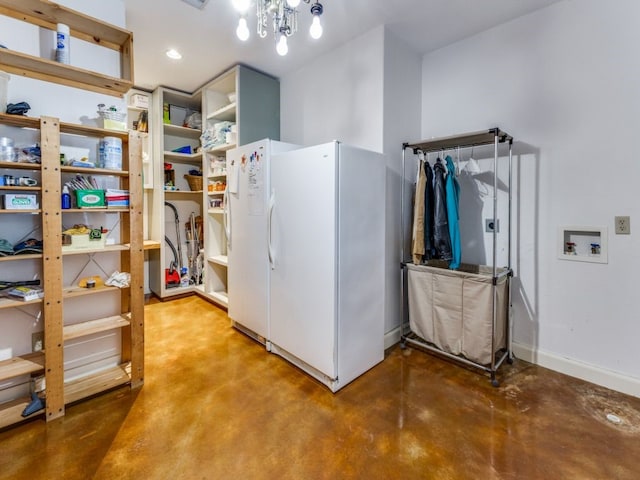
column 564, row 82
column 365, row 93
column 337, row 97
column 401, row 124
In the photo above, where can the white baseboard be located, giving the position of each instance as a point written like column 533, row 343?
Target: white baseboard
column 574, row 368
column 392, row 337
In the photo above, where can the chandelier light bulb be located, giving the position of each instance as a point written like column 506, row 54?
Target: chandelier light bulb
column 293, row 3
column 173, row 54
column 243, row 30
column 241, row 5
column 316, row 28
column 281, row 47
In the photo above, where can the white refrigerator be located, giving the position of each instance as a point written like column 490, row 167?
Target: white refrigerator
column 246, row 207
column 326, row 254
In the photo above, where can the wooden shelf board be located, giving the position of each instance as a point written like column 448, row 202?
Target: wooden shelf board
column 32, row 212
column 21, row 365
column 9, row 302
column 17, row 189
column 70, row 292
column 95, row 171
column 94, row 326
column 226, row 113
column 216, row 211
column 35, row 167
column 84, row 387
column 47, row 14
column 219, row 259
column 91, row 131
column 216, row 192
column 38, row 68
column 20, row 121
column 11, row 412
column 108, row 248
column 95, row 209
column 150, row 245
column 24, row 256
column 179, row 131
column 217, row 175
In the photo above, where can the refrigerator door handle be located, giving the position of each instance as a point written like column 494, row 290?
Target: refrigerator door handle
column 272, row 204
column 226, row 216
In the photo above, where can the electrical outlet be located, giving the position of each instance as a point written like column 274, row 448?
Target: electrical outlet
column 489, row 223
column 623, row 225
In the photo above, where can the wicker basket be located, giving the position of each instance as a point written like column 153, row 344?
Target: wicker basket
column 195, row 182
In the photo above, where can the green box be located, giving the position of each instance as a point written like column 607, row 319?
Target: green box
column 90, row 198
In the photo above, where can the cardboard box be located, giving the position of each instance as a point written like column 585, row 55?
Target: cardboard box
column 90, row 198
column 83, row 242
column 139, row 101
column 19, row 201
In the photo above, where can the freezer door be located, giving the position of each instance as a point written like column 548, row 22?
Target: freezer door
column 247, row 274
column 303, row 241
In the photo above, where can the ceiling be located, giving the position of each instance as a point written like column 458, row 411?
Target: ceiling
column 207, row 40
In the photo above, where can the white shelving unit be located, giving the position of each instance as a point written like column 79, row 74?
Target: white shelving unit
column 166, row 138
column 255, row 111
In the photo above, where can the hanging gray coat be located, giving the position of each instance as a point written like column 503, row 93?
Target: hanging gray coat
column 441, row 239
column 429, row 248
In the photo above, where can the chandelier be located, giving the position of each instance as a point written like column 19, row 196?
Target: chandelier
column 283, row 15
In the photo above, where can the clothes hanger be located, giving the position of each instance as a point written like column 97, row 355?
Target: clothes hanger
column 472, row 165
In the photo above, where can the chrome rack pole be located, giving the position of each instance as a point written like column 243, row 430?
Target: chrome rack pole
column 494, row 287
column 402, row 241
column 509, row 306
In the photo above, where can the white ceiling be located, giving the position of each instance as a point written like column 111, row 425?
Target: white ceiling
column 207, row 40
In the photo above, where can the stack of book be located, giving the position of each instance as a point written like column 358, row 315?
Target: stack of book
column 26, row 293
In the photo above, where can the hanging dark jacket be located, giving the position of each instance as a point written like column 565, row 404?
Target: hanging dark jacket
column 441, row 239
column 429, row 250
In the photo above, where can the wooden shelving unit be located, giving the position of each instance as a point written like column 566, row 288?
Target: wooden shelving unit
column 47, row 14
column 129, row 315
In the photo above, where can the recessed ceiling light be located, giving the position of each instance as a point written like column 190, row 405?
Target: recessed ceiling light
column 174, row 54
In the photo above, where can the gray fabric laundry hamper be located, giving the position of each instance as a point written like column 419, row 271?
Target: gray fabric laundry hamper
column 452, row 309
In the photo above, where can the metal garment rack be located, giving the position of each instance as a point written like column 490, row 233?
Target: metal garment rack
column 496, row 137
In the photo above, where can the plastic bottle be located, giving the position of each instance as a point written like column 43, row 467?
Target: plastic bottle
column 184, row 277
column 62, row 43
column 66, row 198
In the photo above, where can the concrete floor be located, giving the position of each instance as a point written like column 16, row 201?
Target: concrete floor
column 216, row 405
